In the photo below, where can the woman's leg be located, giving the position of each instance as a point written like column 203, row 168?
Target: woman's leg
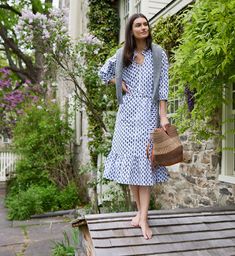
column 144, row 199
column 135, row 192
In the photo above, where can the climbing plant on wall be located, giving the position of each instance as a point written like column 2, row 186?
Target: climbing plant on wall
column 167, row 32
column 104, row 21
column 103, row 24
column 205, row 62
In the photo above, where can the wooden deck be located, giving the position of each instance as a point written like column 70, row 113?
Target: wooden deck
column 178, row 232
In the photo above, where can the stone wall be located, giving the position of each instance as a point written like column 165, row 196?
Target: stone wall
column 194, row 182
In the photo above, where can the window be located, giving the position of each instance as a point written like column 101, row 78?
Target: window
column 137, row 6
column 228, row 143
column 173, row 104
column 126, row 10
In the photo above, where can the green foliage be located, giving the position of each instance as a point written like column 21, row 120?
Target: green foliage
column 8, row 17
column 68, row 197
column 44, row 180
column 102, row 96
column 41, row 138
column 167, row 32
column 38, row 199
column 115, row 198
column 104, row 20
column 104, row 24
column 205, row 62
column 67, row 247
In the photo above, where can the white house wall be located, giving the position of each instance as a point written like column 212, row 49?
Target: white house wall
column 77, row 27
column 152, row 9
column 171, row 8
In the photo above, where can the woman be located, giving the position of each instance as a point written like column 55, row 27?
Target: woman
column 138, row 114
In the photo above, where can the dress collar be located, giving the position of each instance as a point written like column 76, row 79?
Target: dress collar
column 144, row 52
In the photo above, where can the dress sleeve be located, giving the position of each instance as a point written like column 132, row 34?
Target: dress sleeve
column 107, row 71
column 164, row 80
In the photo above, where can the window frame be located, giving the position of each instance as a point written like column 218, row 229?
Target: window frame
column 137, row 6
column 126, row 11
column 228, row 142
column 171, row 104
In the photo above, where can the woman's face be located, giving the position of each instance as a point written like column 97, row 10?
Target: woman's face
column 140, row 28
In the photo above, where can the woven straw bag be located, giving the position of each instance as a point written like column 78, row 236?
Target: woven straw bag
column 167, row 148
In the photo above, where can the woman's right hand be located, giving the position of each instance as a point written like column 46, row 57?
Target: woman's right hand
column 124, row 87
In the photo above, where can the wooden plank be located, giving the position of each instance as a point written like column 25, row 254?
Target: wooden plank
column 164, row 222
column 163, row 248
column 207, row 252
column 163, row 230
column 163, row 239
column 125, row 218
column 162, row 212
column 137, row 231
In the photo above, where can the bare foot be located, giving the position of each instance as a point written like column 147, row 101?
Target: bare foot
column 146, row 230
column 135, row 220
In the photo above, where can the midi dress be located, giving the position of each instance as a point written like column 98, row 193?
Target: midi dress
column 137, row 117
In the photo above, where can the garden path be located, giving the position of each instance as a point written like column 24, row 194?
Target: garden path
column 34, row 237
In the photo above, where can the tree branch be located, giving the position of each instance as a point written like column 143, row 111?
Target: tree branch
column 10, row 8
column 79, row 90
column 10, row 44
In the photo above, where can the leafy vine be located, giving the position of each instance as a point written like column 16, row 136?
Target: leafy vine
column 104, row 24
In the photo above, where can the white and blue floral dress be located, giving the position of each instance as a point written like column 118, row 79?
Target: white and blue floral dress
column 127, row 162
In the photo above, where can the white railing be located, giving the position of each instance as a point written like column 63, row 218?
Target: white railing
column 7, row 164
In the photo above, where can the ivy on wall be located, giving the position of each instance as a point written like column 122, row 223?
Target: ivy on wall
column 200, row 42
column 104, row 20
column 104, row 24
column 205, row 62
column 167, row 32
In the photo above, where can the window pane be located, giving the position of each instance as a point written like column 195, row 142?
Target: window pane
column 172, row 108
column 176, row 105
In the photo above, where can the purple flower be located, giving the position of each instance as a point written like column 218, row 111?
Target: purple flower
column 190, row 98
column 5, row 83
column 27, row 81
column 5, row 70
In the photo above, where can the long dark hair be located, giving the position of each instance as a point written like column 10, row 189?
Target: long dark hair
column 130, row 43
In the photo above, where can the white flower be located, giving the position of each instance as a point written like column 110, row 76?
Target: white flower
column 39, row 107
column 53, row 100
column 90, row 39
column 46, row 33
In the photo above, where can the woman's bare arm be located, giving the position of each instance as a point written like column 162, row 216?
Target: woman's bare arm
column 163, row 113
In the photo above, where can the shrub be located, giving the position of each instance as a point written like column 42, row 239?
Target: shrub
column 37, row 199
column 42, row 137
column 68, row 197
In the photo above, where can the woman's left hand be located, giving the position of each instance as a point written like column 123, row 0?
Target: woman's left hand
column 164, row 122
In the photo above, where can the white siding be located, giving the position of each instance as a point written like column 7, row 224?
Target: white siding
column 150, row 8
column 155, row 6
column 77, row 28
column 173, row 7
